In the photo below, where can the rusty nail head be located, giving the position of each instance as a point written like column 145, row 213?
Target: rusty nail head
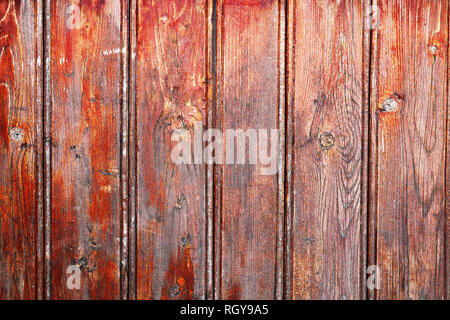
column 17, row 134
column 175, row 291
column 433, row 49
column 391, row 104
column 186, row 241
column 326, row 140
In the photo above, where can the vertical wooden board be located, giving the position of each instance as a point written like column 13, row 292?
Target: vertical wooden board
column 326, row 97
column 447, row 169
column 170, row 95
column 447, row 174
column 20, row 83
column 86, row 83
column 248, row 98
column 410, row 110
column 132, row 150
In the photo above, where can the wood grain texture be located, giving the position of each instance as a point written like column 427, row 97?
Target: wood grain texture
column 20, row 136
column 127, row 216
column 171, row 94
column 210, row 168
column 86, row 102
column 326, row 98
column 248, row 207
column 410, row 107
column 358, row 90
column 447, row 169
column 132, row 150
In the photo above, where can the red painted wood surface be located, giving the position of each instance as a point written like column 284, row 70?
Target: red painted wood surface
column 326, row 97
column 171, row 91
column 85, row 92
column 409, row 110
column 248, row 98
column 20, row 148
column 89, row 103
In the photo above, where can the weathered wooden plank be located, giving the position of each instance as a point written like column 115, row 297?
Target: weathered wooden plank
column 326, row 97
column 171, row 84
column 409, row 105
column 86, row 74
column 132, row 150
column 289, row 136
column 20, row 148
column 127, row 216
column 211, row 76
column 280, row 280
column 368, row 25
column 447, row 170
column 47, row 154
column 372, row 163
column 447, row 175
column 249, row 211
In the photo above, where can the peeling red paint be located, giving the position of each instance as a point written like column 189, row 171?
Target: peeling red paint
column 179, row 280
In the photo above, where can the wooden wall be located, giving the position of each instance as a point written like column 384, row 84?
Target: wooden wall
column 91, row 92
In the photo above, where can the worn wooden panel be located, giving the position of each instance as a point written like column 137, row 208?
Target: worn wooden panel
column 447, row 170
column 132, row 163
column 86, row 128
column 409, row 105
column 85, row 90
column 447, row 177
column 248, row 61
column 20, row 144
column 171, row 95
column 326, row 98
